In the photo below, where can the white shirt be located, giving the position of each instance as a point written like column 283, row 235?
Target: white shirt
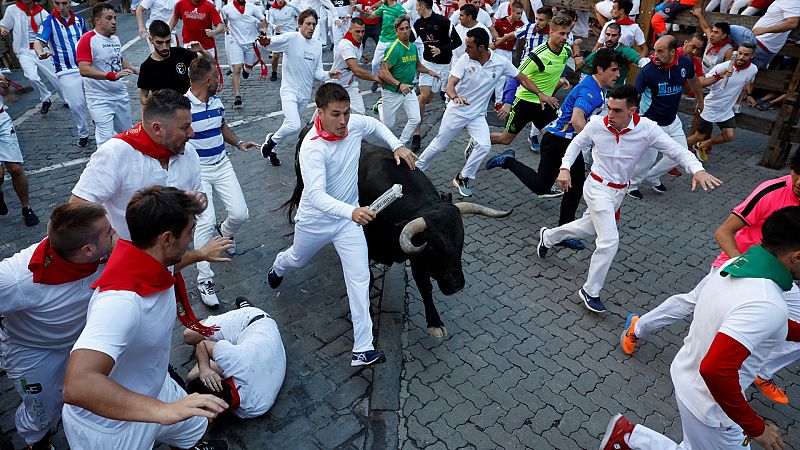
column 750, row 310
column 116, row 171
column 483, row 18
column 462, row 33
column 243, row 28
column 19, row 23
column 477, row 82
column 105, row 54
column 719, row 102
column 614, row 160
column 302, row 63
column 252, row 354
column 344, row 51
column 136, row 332
column 284, row 19
column 330, row 169
column 779, row 10
column 630, row 34
column 504, row 10
column 159, row 10
column 48, row 316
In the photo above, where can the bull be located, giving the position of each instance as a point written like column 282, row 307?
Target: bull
column 423, row 227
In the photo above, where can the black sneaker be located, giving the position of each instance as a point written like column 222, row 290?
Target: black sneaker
column 660, row 188
column 83, row 142
column 541, row 249
column 211, row 445
column 367, row 358
column 415, row 143
column 273, row 279
column 242, row 302
column 268, row 151
column 245, row 74
column 3, row 206
column 634, row 193
column 46, row 106
column 237, row 101
column 274, row 76
column 30, row 217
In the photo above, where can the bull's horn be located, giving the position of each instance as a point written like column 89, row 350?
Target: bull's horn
column 412, row 228
column 474, row 208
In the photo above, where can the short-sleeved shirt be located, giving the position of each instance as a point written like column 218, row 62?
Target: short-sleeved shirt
column 587, row 96
column 196, row 20
column 284, row 17
column 62, row 37
column 364, row 4
column 476, row 82
column 663, row 87
column 718, row 106
column 777, row 12
column 503, row 27
column 767, row 198
column 545, row 68
column 630, row 35
column 345, row 50
column 388, row 15
column 630, row 55
column 403, row 59
column 105, row 54
column 159, row 10
column 171, row 73
column 207, row 120
column 244, row 27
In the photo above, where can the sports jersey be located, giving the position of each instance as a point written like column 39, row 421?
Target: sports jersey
column 282, row 19
column 197, row 18
column 532, row 36
column 342, row 8
column 544, row 67
column 344, row 51
column 243, row 26
column 403, row 59
column 61, row 37
column 159, row 10
column 435, row 31
column 663, row 86
column 503, row 27
column 365, row 4
column 105, row 54
column 207, row 120
column 630, row 55
column 389, row 14
column 587, row 96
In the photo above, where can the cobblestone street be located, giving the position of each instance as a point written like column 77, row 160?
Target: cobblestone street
column 524, row 365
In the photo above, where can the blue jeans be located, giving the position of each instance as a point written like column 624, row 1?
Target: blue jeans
column 740, row 34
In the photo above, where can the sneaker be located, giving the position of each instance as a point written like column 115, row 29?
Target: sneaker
column 268, row 151
column 237, row 101
column 462, row 184
column 29, row 217
column 593, row 304
column 274, row 76
column 554, row 192
column 3, row 206
column 46, row 106
column 83, row 142
column 273, row 279
column 416, row 143
column 614, row 438
column 634, row 193
column 231, row 251
column 675, row 172
column 245, row 74
column 376, row 106
column 500, row 160
column 468, row 149
column 374, row 87
column 211, row 445
column 771, row 390
column 368, row 357
column 533, row 139
column 242, row 302
column 700, row 151
column 541, row 249
column 574, row 244
column 45, row 443
column 660, row 188
column 628, row 338
column 207, row 294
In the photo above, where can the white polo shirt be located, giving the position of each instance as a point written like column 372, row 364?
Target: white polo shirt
column 462, row 33
column 22, row 34
column 477, row 82
column 718, row 106
column 159, row 10
column 105, row 54
column 244, row 27
column 630, row 34
column 345, row 50
column 777, row 12
column 116, row 171
column 483, row 18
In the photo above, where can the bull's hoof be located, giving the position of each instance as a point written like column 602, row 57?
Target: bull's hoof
column 437, row 331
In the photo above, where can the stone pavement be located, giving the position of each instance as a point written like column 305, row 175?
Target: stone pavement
column 524, row 365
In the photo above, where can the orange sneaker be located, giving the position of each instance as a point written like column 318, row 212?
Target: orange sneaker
column 771, row 390
column 628, row 339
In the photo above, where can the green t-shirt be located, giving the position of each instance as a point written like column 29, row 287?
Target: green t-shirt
column 630, row 55
column 389, row 13
column 544, row 68
column 404, row 63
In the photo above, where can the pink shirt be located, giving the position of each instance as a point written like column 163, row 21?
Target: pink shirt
column 767, row 198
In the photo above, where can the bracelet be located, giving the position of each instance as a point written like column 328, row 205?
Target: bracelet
column 239, row 144
column 563, row 169
column 111, row 76
column 399, row 83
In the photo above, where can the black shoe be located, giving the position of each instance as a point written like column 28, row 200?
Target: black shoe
column 273, row 279
column 374, row 86
column 274, row 76
column 415, row 143
column 211, row 445
column 46, row 106
column 268, row 146
column 660, row 188
column 237, row 101
column 3, row 206
column 242, row 302
column 83, row 142
column 42, row 444
column 245, row 74
column 441, row 95
column 30, row 217
column 635, row 193
column 229, row 73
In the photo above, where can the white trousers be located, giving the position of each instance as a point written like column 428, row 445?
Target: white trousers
column 38, row 377
column 33, row 67
column 451, row 125
column 675, row 308
column 83, row 434
column 71, row 84
column 293, row 107
column 356, row 100
column 111, row 117
column 781, row 356
column 599, row 219
column 322, row 30
column 310, row 235
column 647, row 170
column 501, row 82
column 220, row 181
column 377, row 57
column 696, row 436
column 9, row 144
column 339, row 32
column 392, row 102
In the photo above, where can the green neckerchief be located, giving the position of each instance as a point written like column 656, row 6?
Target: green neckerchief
column 759, row 263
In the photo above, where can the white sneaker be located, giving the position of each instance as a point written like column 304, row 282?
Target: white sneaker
column 208, row 294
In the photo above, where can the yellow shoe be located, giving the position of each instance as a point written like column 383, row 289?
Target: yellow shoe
column 628, row 339
column 771, row 390
column 701, row 152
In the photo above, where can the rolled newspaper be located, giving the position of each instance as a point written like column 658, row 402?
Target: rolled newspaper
column 386, row 199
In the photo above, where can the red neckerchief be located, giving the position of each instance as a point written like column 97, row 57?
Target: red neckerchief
column 137, row 138
column 50, row 268
column 31, row 13
column 718, row 45
column 625, row 21
column 324, row 134
column 131, row 269
column 545, row 31
column 745, row 67
column 67, row 22
column 668, row 66
column 235, row 400
column 277, row 6
column 349, row 37
column 236, row 5
column 618, row 133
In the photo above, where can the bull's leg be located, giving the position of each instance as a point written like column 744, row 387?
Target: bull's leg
column 423, row 279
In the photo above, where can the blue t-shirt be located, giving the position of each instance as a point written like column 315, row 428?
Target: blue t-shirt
column 588, row 96
column 661, row 89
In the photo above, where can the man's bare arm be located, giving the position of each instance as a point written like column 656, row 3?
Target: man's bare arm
column 726, row 235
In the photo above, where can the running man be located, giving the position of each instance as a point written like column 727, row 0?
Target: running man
column 201, row 22
column 346, row 56
column 245, row 22
column 281, row 18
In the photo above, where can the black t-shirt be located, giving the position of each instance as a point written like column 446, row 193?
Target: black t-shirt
column 171, row 73
column 437, row 31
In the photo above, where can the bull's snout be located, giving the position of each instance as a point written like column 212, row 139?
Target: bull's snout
column 451, row 283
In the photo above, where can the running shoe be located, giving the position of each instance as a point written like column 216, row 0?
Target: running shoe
column 628, row 338
column 554, row 192
column 376, row 106
column 462, row 184
column 273, row 279
column 593, row 304
column 614, row 437
column 771, row 390
column 634, row 193
column 416, row 143
column 574, row 244
column 83, row 142
column 660, row 188
column 541, row 249
column 242, row 302
column 700, row 151
column 237, row 101
column 469, row 148
column 208, row 294
column 500, row 160
column 675, row 172
column 533, row 139
column 211, row 445
column 29, row 217
column 274, row 76
column 231, row 251
column 3, row 206
column 367, row 358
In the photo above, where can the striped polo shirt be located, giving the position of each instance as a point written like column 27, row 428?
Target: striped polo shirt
column 62, row 37
column 207, row 120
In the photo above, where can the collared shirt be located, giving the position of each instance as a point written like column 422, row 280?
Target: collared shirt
column 616, row 153
column 476, row 82
column 62, row 37
column 196, row 20
column 587, row 96
column 207, row 120
column 724, row 93
column 22, row 35
column 105, row 54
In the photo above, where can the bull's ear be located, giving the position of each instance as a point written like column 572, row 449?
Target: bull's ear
column 446, row 197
